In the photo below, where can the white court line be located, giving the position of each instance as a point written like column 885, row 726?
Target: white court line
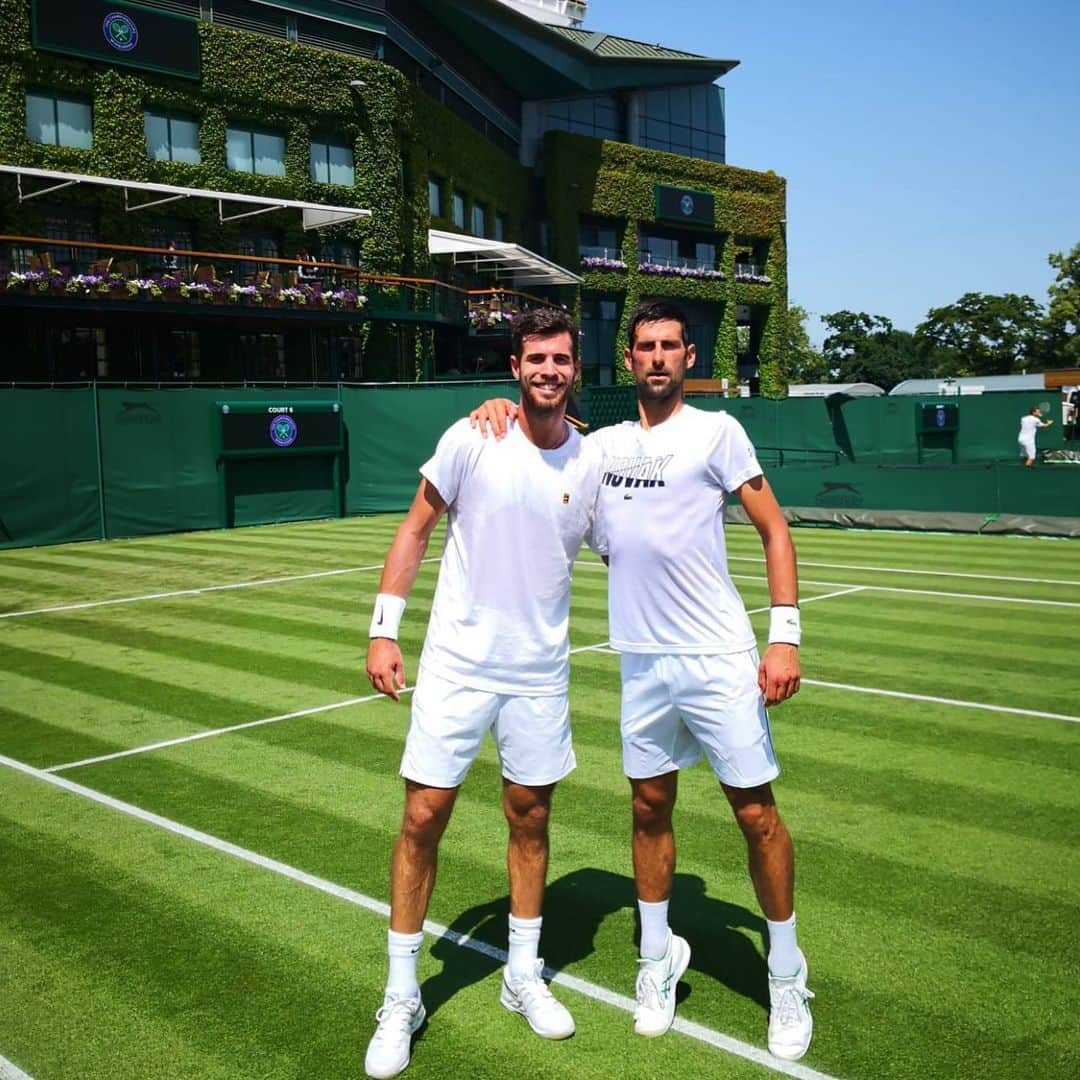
column 197, row 592
column 10, row 1071
column 216, row 731
column 890, row 589
column 607, row 650
column 314, row 711
column 909, row 570
column 598, row 993
column 930, row 592
column 942, row 700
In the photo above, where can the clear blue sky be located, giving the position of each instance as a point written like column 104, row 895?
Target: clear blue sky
column 930, row 149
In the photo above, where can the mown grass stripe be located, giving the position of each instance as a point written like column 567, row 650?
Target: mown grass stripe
column 726, row 1043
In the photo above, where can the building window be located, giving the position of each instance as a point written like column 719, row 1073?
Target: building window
column 479, row 219
column 457, row 205
column 600, row 116
column 599, row 238
column 254, row 150
column 258, row 243
column 69, row 223
column 678, row 250
column 686, row 120
column 332, row 162
column 171, row 138
column 500, row 227
column 600, row 332
column 57, row 120
column 434, row 197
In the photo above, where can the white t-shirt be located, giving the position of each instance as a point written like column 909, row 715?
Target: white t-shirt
column 661, row 521
column 517, row 518
column 1028, row 426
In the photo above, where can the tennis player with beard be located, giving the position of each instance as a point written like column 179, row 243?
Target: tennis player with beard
column 693, row 684
column 495, row 658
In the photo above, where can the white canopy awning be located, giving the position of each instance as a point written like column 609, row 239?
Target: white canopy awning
column 520, row 265
column 315, row 215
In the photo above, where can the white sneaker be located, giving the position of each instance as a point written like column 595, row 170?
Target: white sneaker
column 790, row 1024
column 397, row 1022
column 532, row 998
column 655, row 989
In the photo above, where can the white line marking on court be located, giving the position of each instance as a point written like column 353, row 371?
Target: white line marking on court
column 942, row 700
column 811, row 599
column 314, row 711
column 10, row 1071
column 931, row 592
column 605, row 648
column 910, row 570
column 198, row 592
column 216, row 731
column 581, row 986
column 896, row 589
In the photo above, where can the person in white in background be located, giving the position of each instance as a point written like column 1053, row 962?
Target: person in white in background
column 1029, row 425
column 692, row 682
column 496, row 657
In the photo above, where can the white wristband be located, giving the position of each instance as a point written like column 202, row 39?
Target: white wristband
column 386, row 618
column 785, row 625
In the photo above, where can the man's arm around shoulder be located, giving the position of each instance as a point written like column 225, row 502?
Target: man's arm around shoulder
column 385, row 666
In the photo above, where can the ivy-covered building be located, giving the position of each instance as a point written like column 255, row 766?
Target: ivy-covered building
column 364, row 190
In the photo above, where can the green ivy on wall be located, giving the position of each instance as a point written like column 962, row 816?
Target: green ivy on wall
column 615, row 180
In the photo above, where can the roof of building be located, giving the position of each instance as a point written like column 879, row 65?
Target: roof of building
column 610, row 45
column 852, row 389
column 971, row 384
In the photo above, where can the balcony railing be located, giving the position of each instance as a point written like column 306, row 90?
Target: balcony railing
column 648, row 258
column 600, row 258
column 98, row 272
column 751, row 273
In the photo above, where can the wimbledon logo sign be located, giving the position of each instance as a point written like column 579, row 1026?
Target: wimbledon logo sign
column 120, row 31
column 283, row 430
column 686, row 205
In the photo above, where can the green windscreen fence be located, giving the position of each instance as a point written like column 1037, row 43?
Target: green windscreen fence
column 86, row 463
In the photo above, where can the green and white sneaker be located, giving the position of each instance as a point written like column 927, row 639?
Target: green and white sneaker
column 655, row 989
column 790, row 1024
column 532, row 998
column 390, row 1048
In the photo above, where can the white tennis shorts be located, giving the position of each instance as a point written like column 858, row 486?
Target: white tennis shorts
column 448, row 722
column 1027, row 447
column 675, row 708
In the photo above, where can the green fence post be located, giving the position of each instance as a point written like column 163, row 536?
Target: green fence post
column 96, row 404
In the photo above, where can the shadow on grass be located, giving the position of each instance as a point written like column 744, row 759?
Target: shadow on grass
column 574, row 908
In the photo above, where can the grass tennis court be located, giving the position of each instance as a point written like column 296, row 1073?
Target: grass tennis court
column 931, row 766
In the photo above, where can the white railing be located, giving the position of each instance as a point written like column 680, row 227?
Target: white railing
column 645, row 258
column 590, row 251
column 749, row 270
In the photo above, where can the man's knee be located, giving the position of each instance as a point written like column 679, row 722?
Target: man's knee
column 427, row 812
column 527, row 809
column 760, row 821
column 653, row 802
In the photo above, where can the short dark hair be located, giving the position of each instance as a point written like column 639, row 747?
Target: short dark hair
column 543, row 322
column 649, row 311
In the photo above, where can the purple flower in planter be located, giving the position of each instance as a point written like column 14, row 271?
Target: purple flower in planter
column 601, row 262
column 698, row 273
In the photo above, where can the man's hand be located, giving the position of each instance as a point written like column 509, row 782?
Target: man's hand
column 494, row 414
column 779, row 673
column 385, row 668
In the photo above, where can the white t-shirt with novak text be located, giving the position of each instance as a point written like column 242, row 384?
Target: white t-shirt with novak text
column 661, row 523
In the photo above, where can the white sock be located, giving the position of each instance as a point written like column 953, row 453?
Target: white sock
column 404, row 950
column 524, row 946
column 784, row 958
column 654, row 929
